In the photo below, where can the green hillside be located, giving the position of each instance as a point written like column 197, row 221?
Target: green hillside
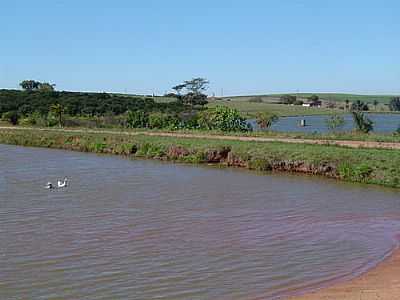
column 336, row 97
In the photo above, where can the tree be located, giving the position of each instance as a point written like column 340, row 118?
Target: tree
column 197, row 85
column 331, row 104
column 46, row 87
column 359, row 106
column 265, row 119
column 347, row 103
column 193, row 99
column 195, row 92
column 30, row 85
column 222, row 118
column 58, row 110
column 335, row 122
column 362, row 123
column 375, row 103
column 137, row 119
column 288, row 99
column 313, row 98
column 11, row 116
column 394, row 104
column 178, row 88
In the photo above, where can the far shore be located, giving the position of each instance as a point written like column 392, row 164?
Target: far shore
column 315, row 141
column 380, row 283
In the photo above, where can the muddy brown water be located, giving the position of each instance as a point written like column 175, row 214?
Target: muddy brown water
column 128, row 229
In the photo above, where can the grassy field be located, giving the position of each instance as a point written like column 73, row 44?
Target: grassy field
column 250, row 109
column 270, row 103
column 334, row 97
column 375, row 166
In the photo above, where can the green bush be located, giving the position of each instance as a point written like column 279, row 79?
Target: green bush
column 11, row 116
column 163, row 121
column 137, row 119
column 265, row 119
column 362, row 123
column 222, row 118
column 394, row 104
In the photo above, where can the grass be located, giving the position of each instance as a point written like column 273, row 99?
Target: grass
column 250, row 109
column 334, row 97
column 355, row 165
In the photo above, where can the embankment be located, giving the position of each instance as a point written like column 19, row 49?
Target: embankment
column 367, row 165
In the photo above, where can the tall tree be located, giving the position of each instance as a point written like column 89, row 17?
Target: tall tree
column 46, row 87
column 347, row 103
column 178, row 88
column 195, row 91
column 359, row 106
column 58, row 110
column 197, row 85
column 375, row 104
column 30, row 85
column 394, row 104
column 313, row 98
column 362, row 123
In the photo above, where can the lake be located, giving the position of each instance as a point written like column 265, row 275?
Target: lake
column 383, row 123
column 132, row 229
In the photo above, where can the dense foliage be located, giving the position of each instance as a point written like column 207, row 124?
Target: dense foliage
column 265, row 119
column 288, row 99
column 220, row 118
column 359, row 106
column 362, row 123
column 394, row 104
column 79, row 104
column 223, row 118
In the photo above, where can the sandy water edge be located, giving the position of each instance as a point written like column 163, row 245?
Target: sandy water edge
column 382, row 282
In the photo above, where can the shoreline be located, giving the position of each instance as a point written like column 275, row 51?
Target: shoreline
column 351, row 164
column 289, row 140
column 381, row 282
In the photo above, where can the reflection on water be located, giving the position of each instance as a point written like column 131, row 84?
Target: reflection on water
column 383, row 123
column 148, row 230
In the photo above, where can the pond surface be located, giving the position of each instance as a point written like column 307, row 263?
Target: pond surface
column 383, row 123
column 148, row 230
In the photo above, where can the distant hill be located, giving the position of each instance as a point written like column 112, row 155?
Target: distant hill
column 336, row 97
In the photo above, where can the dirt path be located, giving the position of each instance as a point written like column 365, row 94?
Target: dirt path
column 352, row 144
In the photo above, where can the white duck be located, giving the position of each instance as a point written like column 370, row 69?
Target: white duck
column 49, row 186
column 61, row 184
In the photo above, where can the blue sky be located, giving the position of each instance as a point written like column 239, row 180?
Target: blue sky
column 242, row 47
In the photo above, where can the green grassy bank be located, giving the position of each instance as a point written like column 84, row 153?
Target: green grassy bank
column 375, row 166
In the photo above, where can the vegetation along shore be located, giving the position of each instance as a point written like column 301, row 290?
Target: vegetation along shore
column 366, row 165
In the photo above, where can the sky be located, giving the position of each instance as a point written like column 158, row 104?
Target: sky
column 241, row 47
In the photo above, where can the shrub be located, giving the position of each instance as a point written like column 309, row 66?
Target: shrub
column 223, row 118
column 298, row 102
column 397, row 131
column 335, row 122
column 288, row 99
column 11, row 116
column 137, row 119
column 394, row 104
column 359, row 106
column 265, row 119
column 362, row 123
column 160, row 121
